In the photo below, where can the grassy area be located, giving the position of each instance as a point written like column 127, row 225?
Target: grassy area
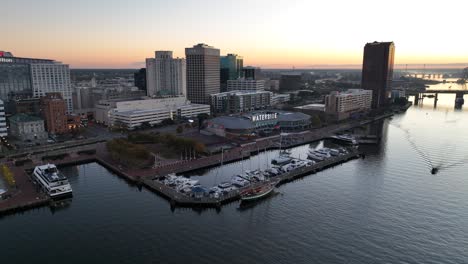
column 168, row 145
column 129, row 154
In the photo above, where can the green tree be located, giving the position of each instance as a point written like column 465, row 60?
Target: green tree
column 315, row 121
column 179, row 129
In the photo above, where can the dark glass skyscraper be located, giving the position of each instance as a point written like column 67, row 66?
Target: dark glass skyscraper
column 231, row 69
column 140, row 79
column 377, row 71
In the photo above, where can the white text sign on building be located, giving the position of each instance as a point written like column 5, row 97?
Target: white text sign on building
column 263, row 117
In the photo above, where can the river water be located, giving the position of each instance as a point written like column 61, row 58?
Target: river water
column 386, row 208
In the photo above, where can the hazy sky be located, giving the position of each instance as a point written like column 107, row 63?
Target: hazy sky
column 268, row 33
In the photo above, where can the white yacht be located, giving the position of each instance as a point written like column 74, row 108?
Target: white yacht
column 52, row 180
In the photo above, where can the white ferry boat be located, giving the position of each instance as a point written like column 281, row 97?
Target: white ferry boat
column 53, row 182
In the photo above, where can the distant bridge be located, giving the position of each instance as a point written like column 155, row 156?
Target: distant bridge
column 419, row 96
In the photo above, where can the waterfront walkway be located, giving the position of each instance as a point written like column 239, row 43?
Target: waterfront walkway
column 27, row 194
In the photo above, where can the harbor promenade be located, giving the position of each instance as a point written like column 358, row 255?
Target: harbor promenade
column 27, row 195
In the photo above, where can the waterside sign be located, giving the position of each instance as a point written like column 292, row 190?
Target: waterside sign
column 263, row 117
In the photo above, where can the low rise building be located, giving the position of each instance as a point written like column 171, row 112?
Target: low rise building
column 240, row 101
column 280, row 98
column 132, row 119
column 253, row 123
column 192, row 110
column 133, row 114
column 26, row 127
column 398, row 93
column 343, row 105
column 243, row 84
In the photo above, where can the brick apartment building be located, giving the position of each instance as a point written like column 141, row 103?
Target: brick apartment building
column 53, row 108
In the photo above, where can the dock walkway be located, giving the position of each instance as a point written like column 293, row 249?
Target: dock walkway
column 177, row 198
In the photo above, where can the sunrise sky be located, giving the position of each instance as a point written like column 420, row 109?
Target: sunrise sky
column 270, row 34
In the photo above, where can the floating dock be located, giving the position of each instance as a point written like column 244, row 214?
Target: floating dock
column 180, row 199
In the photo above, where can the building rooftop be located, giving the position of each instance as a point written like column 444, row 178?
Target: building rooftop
column 234, row 122
column 242, row 92
column 21, row 118
column 311, row 107
column 245, row 121
column 135, row 112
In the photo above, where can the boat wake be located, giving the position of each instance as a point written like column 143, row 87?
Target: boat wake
column 437, row 158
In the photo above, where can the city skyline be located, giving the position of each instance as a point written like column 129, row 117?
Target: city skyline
column 271, row 34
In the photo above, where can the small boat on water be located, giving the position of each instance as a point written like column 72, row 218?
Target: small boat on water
column 281, row 159
column 258, row 191
column 345, row 139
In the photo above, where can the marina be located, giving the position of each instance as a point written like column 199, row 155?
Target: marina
column 31, row 196
column 168, row 186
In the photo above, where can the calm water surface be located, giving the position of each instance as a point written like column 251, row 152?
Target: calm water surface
column 386, row 208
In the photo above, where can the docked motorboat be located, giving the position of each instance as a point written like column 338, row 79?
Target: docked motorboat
column 345, row 139
column 281, row 159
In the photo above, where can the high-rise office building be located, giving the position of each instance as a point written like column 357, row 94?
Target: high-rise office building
column 52, row 78
column 231, row 69
column 165, row 76
column 203, row 73
column 377, row 71
column 254, row 73
column 15, row 78
column 139, row 79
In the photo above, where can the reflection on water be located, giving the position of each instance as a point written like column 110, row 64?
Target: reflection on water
column 386, row 208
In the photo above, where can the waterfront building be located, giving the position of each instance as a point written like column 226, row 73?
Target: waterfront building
column 240, row 101
column 342, row 105
column 377, row 71
column 253, row 123
column 253, row 73
column 231, row 69
column 53, row 109
column 291, row 82
column 139, row 79
column 165, row 76
column 203, row 73
column 52, row 78
column 242, row 84
column 26, row 127
column 3, row 125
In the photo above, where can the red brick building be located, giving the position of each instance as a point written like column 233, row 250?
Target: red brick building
column 53, row 108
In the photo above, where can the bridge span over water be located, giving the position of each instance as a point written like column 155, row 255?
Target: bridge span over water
column 419, row 96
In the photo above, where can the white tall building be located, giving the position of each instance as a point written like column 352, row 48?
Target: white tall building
column 165, row 76
column 3, row 126
column 52, row 78
column 242, row 84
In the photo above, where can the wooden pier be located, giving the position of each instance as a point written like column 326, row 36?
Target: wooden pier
column 181, row 199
